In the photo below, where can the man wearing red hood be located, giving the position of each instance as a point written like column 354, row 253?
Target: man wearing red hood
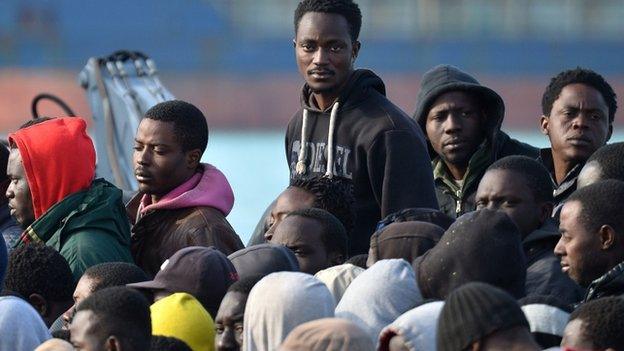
column 54, row 196
column 181, row 202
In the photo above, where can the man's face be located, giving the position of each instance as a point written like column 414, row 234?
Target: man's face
column 82, row 336
column 590, row 174
column 84, row 288
column 578, row 124
column 291, row 199
column 229, row 322
column 574, row 336
column 507, row 191
column 18, row 192
column 303, row 236
column 579, row 249
column 455, row 127
column 324, row 51
column 160, row 164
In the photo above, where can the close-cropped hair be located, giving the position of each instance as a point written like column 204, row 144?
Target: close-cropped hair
column 39, row 269
column 535, row 175
column 334, row 235
column 121, row 312
column 108, row 274
column 578, row 76
column 601, row 204
column 602, row 322
column 334, row 195
column 189, row 123
column 611, row 160
column 345, row 8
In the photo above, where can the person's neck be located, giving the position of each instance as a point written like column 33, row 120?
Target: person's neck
column 457, row 171
column 562, row 168
column 324, row 101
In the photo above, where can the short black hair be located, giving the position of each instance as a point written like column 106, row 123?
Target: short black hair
column 581, row 76
column 611, row 160
column 601, row 204
column 334, row 235
column 602, row 322
column 345, row 8
column 189, row 123
column 168, row 343
column 334, row 195
column 39, row 269
column 110, row 274
column 122, row 312
column 245, row 285
column 534, row 173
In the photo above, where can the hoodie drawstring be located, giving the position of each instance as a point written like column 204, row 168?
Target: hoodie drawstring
column 301, row 166
column 330, row 141
column 301, row 162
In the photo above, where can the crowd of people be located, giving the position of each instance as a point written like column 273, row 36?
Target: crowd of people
column 431, row 232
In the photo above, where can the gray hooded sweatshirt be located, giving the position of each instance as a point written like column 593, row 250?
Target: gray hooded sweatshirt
column 279, row 303
column 379, row 295
column 418, row 327
column 21, row 327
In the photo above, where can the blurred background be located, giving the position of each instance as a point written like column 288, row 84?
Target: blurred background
column 234, row 59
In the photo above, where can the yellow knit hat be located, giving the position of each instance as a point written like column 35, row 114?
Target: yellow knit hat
column 181, row 316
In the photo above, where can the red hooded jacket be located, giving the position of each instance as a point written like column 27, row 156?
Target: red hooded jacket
column 58, row 158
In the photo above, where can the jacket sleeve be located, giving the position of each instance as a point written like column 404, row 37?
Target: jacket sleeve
column 400, row 172
column 86, row 248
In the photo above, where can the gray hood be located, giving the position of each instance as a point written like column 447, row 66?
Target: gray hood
column 379, row 295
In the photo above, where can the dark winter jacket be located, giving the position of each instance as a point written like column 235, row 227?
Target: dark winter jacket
column 544, row 275
column 610, row 284
column 373, row 143
column 86, row 228
column 566, row 187
column 453, row 199
column 194, row 216
column 484, row 246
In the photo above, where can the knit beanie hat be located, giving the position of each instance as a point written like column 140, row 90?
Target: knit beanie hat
column 474, row 311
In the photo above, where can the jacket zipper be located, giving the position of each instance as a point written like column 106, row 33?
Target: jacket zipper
column 458, row 204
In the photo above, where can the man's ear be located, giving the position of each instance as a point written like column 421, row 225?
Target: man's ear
column 607, row 237
column 544, row 120
column 113, row 344
column 476, row 346
column 193, row 158
column 355, row 51
column 39, row 303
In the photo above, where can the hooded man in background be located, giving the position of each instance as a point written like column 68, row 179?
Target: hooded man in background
column 347, row 127
column 462, row 119
column 53, row 196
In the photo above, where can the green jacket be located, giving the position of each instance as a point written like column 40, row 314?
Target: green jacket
column 455, row 200
column 87, row 228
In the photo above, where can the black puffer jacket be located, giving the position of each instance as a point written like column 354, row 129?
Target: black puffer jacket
column 610, row 284
column 441, row 79
column 544, row 275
